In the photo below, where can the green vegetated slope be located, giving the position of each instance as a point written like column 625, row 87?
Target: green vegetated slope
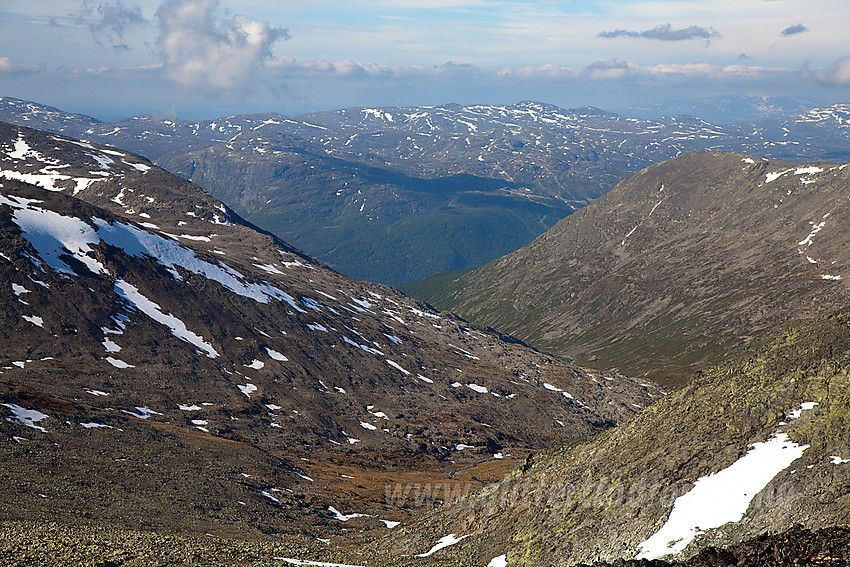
column 601, row 499
column 375, row 223
column 675, row 267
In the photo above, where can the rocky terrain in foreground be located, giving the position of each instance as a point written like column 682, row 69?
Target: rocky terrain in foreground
column 757, row 445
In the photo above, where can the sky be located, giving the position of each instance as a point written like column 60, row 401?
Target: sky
column 207, row 58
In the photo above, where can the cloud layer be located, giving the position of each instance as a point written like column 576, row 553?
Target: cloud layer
column 202, row 52
column 836, row 75
column 664, row 32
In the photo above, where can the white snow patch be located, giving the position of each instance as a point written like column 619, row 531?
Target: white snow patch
column 152, row 310
column 276, row 355
column 393, row 339
column 368, row 426
column 816, row 228
column 256, row 364
column 345, row 517
column 723, row 496
column 477, row 388
column 118, row 363
column 54, row 235
column 771, row 177
column 34, row 319
column 269, row 495
column 187, row 407
column 95, row 392
column 143, row 412
column 450, row 539
column 829, row 277
column 192, row 237
column 247, row 389
column 110, row 346
column 500, row 561
column 397, row 367
column 836, row 460
column 28, row 417
column 93, row 425
column 316, row 563
column 423, row 314
column 269, row 269
column 805, row 406
column 18, row 290
column 391, row 524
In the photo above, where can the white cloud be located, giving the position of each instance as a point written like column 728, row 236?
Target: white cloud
column 7, row 67
column 204, row 53
column 835, row 75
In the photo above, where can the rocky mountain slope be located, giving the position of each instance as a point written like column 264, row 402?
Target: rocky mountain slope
column 427, row 188
column 675, row 267
column 757, row 445
column 166, row 363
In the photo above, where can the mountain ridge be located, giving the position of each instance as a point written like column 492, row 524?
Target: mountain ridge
column 678, row 264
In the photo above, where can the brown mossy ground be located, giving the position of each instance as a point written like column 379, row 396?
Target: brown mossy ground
column 26, row 544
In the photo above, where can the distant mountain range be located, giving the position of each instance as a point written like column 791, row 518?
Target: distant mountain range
column 726, row 109
column 395, row 194
column 167, row 364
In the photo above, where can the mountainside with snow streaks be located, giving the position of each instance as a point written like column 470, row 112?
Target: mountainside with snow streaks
column 677, row 266
column 395, row 194
column 139, row 308
column 757, row 446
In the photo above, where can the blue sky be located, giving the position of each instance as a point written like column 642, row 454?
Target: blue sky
column 206, row 58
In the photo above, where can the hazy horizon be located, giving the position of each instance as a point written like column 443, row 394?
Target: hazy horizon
column 207, row 58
